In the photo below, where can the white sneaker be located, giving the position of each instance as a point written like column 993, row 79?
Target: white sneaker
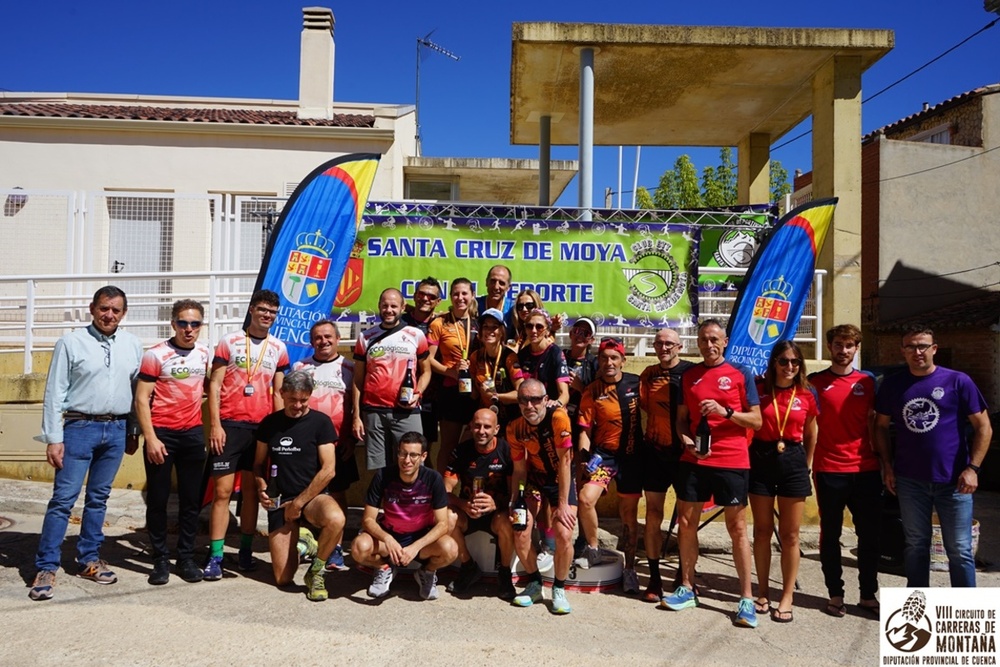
column 380, row 582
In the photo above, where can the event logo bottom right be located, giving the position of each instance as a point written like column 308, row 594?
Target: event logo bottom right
column 939, row 626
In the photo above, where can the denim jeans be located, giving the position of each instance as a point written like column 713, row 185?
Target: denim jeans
column 861, row 493
column 916, row 500
column 93, row 450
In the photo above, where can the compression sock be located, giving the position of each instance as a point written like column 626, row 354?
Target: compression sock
column 654, row 573
column 216, row 548
column 246, row 541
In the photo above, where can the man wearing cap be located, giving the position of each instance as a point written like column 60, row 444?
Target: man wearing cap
column 659, row 396
column 724, row 395
column 496, row 371
column 88, row 395
column 609, row 440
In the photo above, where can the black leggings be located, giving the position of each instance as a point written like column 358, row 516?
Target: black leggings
column 186, row 454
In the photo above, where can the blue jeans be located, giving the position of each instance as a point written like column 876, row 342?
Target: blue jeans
column 916, row 500
column 93, row 450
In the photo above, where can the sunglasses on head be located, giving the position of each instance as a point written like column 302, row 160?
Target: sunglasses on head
column 785, row 362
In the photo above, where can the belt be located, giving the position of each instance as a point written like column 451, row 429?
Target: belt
column 79, row 416
column 769, row 445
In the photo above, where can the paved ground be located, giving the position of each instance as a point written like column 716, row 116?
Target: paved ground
column 244, row 620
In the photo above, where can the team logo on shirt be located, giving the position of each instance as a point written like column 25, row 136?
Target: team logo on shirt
column 858, row 389
column 725, row 384
column 180, row 372
column 770, row 311
column 308, row 268
column 937, row 393
column 920, row 415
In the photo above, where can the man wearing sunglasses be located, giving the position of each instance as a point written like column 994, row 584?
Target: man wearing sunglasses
column 542, row 450
column 426, row 298
column 88, row 395
column 168, row 400
column 244, row 387
column 933, row 466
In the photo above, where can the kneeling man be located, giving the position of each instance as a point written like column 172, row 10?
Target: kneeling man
column 299, row 442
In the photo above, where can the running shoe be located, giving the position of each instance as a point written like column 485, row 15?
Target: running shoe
column 560, row 605
column 532, row 594
column 505, row 586
column 468, row 575
column 682, row 598
column 98, row 571
column 335, row 563
column 161, row 572
column 316, row 584
column 246, row 562
column 189, row 570
column 427, row 581
column 381, row 580
column 44, row 586
column 213, row 569
column 745, row 614
column 544, row 561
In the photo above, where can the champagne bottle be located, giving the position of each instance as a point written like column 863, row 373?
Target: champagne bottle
column 406, row 389
column 272, row 483
column 703, row 437
column 520, row 510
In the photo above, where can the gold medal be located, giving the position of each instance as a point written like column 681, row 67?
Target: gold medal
column 780, row 446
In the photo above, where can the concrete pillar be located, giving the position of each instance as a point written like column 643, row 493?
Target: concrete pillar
column 586, row 175
column 544, row 158
column 753, row 169
column 836, row 139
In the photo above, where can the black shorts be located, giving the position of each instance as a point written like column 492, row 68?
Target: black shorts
column 347, row 474
column 783, row 474
column 453, row 406
column 626, row 471
column 406, row 539
column 659, row 467
column 728, row 487
column 483, row 523
column 239, row 450
column 276, row 517
column 551, row 491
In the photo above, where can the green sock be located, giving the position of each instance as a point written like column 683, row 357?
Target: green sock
column 317, row 565
column 246, row 541
column 217, row 548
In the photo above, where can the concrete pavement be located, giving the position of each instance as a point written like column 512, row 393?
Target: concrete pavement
column 245, row 620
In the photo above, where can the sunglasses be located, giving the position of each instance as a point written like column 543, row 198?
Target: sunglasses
column 610, row 339
column 785, row 362
column 427, row 296
column 532, row 400
column 526, row 305
column 188, row 324
column 535, row 326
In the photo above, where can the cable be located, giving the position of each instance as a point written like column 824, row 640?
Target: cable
column 900, row 80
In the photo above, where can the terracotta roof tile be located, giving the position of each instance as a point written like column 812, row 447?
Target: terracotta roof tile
column 181, row 115
column 929, row 111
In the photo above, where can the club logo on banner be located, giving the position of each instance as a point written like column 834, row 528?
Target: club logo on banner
column 308, row 268
column 770, row 312
column 938, row 626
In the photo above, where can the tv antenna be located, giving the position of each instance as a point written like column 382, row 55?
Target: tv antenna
column 425, row 42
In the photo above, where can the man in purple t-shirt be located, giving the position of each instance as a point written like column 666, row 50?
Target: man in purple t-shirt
column 934, row 466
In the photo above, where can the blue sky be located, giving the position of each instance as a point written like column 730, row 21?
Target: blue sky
column 251, row 49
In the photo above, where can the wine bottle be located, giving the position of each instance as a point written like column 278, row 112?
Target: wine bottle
column 520, row 510
column 464, row 381
column 406, row 389
column 703, row 437
column 272, row 484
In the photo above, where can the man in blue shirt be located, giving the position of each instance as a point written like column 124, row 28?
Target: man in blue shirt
column 498, row 295
column 88, row 396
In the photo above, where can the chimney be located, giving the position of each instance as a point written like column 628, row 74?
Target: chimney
column 316, row 63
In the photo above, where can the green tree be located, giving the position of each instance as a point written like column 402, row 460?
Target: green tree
column 679, row 187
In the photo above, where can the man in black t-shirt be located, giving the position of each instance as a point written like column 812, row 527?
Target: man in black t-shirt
column 415, row 523
column 480, row 469
column 299, row 442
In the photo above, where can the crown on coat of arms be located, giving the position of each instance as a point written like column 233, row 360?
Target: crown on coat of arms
column 315, row 241
column 778, row 287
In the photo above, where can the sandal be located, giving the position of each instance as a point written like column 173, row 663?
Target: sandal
column 779, row 616
column 762, row 606
column 837, row 611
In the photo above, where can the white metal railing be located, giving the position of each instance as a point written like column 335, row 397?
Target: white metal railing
column 31, row 320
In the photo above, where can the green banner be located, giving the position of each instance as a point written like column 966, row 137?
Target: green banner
column 616, row 273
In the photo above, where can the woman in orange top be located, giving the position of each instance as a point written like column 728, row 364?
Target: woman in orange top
column 450, row 338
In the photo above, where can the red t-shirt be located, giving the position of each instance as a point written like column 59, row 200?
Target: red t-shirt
column 179, row 375
column 732, row 386
column 266, row 358
column 785, row 413
column 844, row 444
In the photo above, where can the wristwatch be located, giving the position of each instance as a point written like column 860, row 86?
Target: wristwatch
column 729, row 412
column 974, row 469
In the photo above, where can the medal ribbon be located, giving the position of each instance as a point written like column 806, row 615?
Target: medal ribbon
column 777, row 412
column 263, row 349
